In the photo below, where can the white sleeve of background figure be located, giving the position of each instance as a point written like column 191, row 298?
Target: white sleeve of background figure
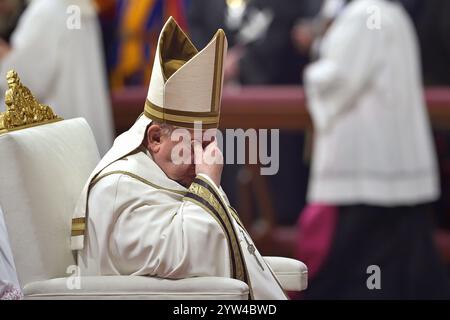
column 348, row 59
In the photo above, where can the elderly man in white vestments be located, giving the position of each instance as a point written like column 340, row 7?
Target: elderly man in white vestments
column 56, row 49
column 145, row 215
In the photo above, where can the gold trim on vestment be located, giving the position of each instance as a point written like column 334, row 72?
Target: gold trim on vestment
column 78, row 226
column 213, row 195
column 77, row 222
column 75, row 233
column 218, row 222
column 210, row 198
column 218, row 68
column 132, row 175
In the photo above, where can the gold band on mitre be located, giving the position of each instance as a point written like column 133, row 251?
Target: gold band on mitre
column 178, row 118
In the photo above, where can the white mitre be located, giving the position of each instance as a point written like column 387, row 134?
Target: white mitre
column 185, row 87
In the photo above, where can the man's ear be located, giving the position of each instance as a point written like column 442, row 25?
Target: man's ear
column 154, row 138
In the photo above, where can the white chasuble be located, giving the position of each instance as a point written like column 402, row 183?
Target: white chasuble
column 140, row 222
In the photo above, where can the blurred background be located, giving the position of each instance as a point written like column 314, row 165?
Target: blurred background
column 271, row 45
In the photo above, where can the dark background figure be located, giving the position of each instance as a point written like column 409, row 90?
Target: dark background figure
column 433, row 26
column 268, row 57
column 204, row 18
column 431, row 19
column 272, row 59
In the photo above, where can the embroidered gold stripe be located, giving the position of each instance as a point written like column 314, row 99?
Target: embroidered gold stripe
column 218, row 222
column 233, row 213
column 132, row 175
column 75, row 233
column 78, row 226
column 79, row 220
column 205, row 194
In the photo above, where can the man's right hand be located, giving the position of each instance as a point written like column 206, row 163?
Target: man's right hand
column 208, row 161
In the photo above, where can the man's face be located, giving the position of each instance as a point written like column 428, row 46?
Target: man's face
column 173, row 147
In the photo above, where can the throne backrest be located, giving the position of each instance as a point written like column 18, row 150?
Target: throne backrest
column 44, row 163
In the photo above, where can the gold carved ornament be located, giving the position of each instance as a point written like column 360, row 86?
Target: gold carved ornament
column 22, row 108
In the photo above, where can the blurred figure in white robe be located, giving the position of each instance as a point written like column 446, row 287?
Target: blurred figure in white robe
column 56, row 48
column 374, row 172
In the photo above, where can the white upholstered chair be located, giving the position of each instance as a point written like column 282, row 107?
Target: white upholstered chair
column 44, row 163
